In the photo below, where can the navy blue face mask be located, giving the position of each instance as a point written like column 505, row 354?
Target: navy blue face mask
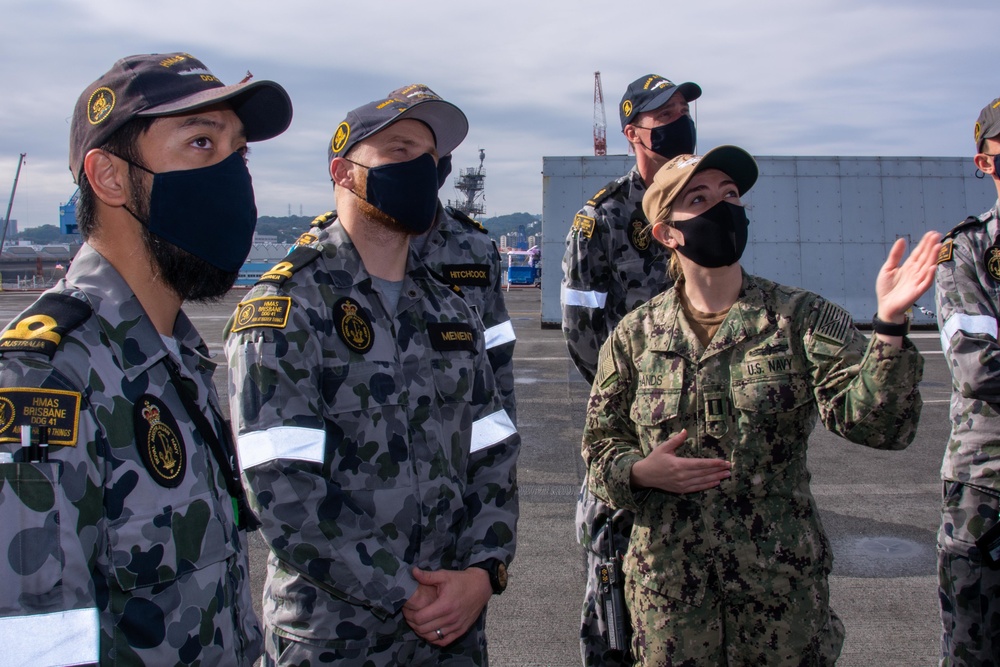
column 715, row 238
column 673, row 139
column 444, row 169
column 407, row 192
column 209, row 212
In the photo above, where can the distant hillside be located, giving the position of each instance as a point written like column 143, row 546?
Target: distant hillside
column 505, row 224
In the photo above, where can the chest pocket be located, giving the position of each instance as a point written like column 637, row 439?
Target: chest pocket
column 656, row 405
column 772, row 394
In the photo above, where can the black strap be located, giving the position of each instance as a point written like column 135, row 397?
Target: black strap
column 224, row 452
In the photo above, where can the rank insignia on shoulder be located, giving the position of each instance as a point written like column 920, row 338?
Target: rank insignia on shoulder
column 264, row 311
column 299, row 257
column 41, row 327
column 991, row 260
column 605, row 192
column 833, row 324
column 57, row 410
column 158, row 441
column 452, row 336
column 477, row 275
column 353, row 325
column 461, row 216
column 945, row 254
column 584, row 225
column 322, row 221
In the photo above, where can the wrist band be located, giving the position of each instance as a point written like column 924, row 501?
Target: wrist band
column 888, row 329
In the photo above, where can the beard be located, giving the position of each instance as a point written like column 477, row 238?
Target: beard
column 191, row 278
column 373, row 214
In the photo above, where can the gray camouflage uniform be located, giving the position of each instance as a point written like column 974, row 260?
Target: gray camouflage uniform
column 460, row 252
column 123, row 547
column 738, row 574
column 612, row 264
column 968, row 306
column 370, row 443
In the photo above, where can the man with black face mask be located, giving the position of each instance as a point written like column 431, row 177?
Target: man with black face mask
column 373, row 442
column 611, row 266
column 968, row 548
column 123, row 512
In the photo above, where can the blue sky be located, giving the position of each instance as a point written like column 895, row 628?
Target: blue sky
column 780, row 77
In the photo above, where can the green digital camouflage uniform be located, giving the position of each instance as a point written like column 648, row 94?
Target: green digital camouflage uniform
column 738, row 574
column 459, row 251
column 370, row 443
column 123, row 548
column 968, row 305
column 612, row 264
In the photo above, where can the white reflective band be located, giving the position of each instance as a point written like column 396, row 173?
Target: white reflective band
column 573, row 297
column 281, row 442
column 46, row 640
column 500, row 334
column 491, row 430
column 970, row 324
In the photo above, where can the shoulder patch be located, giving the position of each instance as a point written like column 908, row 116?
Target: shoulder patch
column 452, row 336
column 606, row 372
column 584, row 225
column 158, row 440
column 833, row 324
column 299, row 257
column 461, row 216
column 264, row 311
column 41, row 327
column 946, row 251
column 991, row 260
column 55, row 409
column 968, row 222
column 605, row 192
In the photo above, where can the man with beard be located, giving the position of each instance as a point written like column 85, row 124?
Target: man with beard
column 374, row 446
column 121, row 505
column 610, row 267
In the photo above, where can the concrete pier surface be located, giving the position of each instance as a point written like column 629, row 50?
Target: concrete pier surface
column 880, row 509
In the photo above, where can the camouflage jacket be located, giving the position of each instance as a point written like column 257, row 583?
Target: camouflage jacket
column 781, row 357
column 122, row 547
column 612, row 264
column 459, row 251
column 968, row 305
column 370, row 442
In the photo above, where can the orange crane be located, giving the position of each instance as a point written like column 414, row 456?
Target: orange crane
column 600, row 120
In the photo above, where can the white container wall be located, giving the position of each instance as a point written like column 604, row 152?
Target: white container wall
column 821, row 223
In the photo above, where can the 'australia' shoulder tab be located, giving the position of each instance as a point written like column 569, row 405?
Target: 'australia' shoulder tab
column 605, row 192
column 299, row 257
column 463, row 217
column 41, row 327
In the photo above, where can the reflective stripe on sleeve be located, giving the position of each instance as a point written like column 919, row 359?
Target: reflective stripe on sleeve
column 69, row 637
column 500, row 334
column 281, row 442
column 970, row 324
column 491, row 430
column 575, row 297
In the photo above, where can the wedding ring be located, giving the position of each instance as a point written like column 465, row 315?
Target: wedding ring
column 439, row 633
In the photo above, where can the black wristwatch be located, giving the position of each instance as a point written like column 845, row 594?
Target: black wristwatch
column 889, row 329
column 498, row 574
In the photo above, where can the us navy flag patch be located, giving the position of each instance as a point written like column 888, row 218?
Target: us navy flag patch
column 833, row 324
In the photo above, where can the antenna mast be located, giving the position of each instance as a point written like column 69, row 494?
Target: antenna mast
column 600, row 120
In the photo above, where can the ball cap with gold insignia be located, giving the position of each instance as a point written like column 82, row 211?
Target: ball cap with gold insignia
column 418, row 102
column 674, row 176
column 987, row 125
column 151, row 85
column 651, row 92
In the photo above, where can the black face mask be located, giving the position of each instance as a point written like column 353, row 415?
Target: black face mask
column 407, row 192
column 444, row 169
column 209, row 212
column 715, row 238
column 673, row 139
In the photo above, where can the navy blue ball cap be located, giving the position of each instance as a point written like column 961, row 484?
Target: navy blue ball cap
column 152, row 85
column 652, row 92
column 417, row 102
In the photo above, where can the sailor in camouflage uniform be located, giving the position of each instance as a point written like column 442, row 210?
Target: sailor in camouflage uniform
column 123, row 536
column 611, row 266
column 699, row 419
column 459, row 252
column 968, row 306
column 375, row 448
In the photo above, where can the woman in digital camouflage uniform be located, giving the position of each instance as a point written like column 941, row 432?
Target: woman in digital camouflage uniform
column 699, row 418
